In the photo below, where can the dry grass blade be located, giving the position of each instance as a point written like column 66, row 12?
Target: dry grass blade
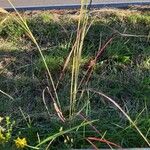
column 3, row 11
column 6, row 94
column 77, row 51
column 98, row 132
column 65, row 66
column 126, row 34
column 103, row 141
column 124, row 113
column 56, row 107
column 5, row 14
column 94, row 146
column 44, row 101
column 3, row 20
column 93, row 61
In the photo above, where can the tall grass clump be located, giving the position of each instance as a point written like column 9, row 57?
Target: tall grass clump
column 83, row 26
column 75, row 57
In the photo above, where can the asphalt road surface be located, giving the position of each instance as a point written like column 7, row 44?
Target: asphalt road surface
column 66, row 3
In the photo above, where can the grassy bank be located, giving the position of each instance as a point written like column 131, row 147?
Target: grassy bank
column 121, row 72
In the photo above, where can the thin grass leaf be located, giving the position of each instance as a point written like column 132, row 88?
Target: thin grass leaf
column 94, row 146
column 23, row 23
column 124, row 113
column 4, row 93
column 103, row 141
column 44, row 101
column 64, row 132
column 3, row 11
column 77, row 51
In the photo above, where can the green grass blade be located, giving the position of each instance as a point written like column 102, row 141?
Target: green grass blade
column 64, row 132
